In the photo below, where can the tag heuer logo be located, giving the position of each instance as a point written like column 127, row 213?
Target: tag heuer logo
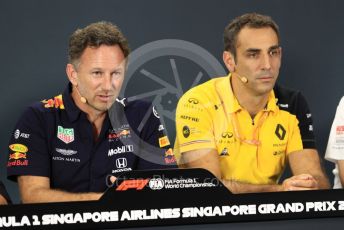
column 65, row 135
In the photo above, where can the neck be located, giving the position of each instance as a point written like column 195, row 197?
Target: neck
column 95, row 117
column 253, row 103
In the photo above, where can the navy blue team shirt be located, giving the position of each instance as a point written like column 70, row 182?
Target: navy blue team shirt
column 53, row 138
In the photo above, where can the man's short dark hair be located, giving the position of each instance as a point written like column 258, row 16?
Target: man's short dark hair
column 250, row 20
column 95, row 35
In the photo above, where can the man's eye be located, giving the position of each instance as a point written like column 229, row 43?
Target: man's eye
column 97, row 73
column 117, row 74
column 253, row 55
column 274, row 53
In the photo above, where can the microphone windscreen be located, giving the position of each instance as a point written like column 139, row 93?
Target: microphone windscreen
column 83, row 100
column 244, row 79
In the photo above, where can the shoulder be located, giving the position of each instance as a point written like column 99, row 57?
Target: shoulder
column 341, row 104
column 289, row 99
column 207, row 86
column 134, row 106
column 45, row 106
column 137, row 110
column 284, row 94
column 202, row 93
column 340, row 110
column 41, row 110
column 48, row 105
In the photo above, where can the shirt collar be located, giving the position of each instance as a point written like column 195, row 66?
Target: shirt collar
column 72, row 110
column 230, row 102
column 272, row 103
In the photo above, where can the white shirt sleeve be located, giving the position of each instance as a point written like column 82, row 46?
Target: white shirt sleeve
column 335, row 145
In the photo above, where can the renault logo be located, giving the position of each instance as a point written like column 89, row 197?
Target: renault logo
column 280, row 132
column 121, row 162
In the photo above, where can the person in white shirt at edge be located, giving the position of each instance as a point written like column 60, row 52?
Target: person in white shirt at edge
column 335, row 146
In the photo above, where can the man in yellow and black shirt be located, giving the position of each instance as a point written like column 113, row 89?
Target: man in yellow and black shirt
column 242, row 127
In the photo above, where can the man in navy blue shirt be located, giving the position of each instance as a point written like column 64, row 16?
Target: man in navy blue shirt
column 4, row 197
column 65, row 148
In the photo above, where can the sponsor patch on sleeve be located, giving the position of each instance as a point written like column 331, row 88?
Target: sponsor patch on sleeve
column 163, row 141
column 56, row 102
column 169, row 156
column 340, row 130
column 18, row 156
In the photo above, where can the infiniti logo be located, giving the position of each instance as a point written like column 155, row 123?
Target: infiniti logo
column 193, row 101
column 227, row 134
column 121, row 162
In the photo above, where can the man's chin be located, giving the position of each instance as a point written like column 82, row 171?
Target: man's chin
column 265, row 89
column 101, row 107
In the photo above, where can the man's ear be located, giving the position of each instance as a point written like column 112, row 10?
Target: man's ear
column 72, row 74
column 229, row 61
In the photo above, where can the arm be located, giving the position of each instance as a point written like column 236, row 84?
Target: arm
column 307, row 162
column 3, row 201
column 307, row 175
column 209, row 160
column 36, row 189
column 334, row 150
column 155, row 148
column 4, row 196
column 341, row 171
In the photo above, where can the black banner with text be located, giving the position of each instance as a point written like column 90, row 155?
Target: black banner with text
column 172, row 197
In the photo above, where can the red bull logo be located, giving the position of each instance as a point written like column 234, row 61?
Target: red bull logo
column 17, row 155
column 18, row 148
column 119, row 134
column 170, row 160
column 124, row 132
column 169, row 156
column 18, row 163
column 57, row 102
column 169, row 153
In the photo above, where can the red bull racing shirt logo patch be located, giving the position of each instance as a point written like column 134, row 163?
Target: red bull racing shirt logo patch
column 169, row 156
column 56, row 102
column 65, row 135
column 19, row 153
column 119, row 134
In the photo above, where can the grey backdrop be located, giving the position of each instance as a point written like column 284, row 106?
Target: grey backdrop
column 34, row 36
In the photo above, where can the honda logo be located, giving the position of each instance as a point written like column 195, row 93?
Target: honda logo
column 121, row 162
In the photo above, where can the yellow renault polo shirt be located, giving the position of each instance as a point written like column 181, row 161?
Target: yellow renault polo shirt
column 251, row 150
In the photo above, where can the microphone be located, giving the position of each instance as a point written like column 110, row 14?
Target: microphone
column 82, row 99
column 242, row 79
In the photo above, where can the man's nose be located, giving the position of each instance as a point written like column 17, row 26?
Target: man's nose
column 266, row 62
column 107, row 82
